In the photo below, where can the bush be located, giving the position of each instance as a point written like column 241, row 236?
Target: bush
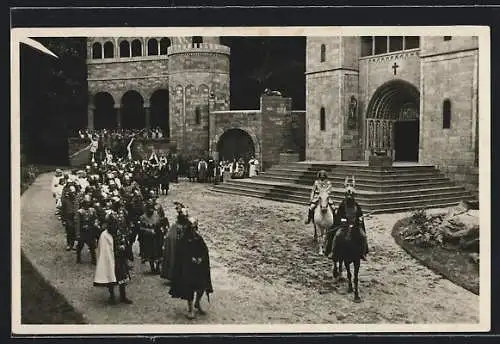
column 28, row 175
column 423, row 230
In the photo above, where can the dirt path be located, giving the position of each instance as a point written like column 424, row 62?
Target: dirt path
column 265, row 269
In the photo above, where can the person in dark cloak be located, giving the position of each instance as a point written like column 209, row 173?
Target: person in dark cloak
column 191, row 273
column 174, row 233
column 349, row 211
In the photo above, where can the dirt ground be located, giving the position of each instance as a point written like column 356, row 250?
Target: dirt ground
column 265, row 269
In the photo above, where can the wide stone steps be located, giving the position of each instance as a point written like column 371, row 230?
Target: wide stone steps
column 368, row 207
column 397, row 188
column 363, row 184
column 302, row 190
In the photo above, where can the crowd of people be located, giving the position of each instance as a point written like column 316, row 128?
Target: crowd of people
column 206, row 170
column 150, row 134
column 107, row 207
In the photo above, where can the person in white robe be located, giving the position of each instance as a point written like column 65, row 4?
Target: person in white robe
column 112, row 266
column 252, row 171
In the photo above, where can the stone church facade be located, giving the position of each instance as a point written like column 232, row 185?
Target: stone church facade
column 413, row 98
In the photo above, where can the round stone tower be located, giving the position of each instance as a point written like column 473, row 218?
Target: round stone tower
column 198, row 83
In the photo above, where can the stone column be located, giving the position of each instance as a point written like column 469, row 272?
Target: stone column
column 147, row 115
column 90, row 116
column 118, row 108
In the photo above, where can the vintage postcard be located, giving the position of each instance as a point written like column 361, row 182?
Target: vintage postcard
column 250, row 180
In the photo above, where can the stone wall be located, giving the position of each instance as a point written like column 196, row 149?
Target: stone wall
column 330, row 84
column 195, row 73
column 275, row 128
column 144, row 74
column 295, row 133
column 451, row 76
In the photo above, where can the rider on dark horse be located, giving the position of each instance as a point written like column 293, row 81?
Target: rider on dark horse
column 349, row 211
column 320, row 184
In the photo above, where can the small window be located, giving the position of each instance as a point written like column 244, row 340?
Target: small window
column 366, row 45
column 323, row 53
column 124, row 49
column 380, row 45
column 136, row 48
column 447, row 38
column 164, row 44
column 412, row 42
column 447, row 114
column 109, row 50
column 395, row 43
column 197, row 39
column 198, row 115
column 97, row 51
column 322, row 119
column 152, row 47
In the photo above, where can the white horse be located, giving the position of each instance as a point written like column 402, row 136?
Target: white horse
column 323, row 219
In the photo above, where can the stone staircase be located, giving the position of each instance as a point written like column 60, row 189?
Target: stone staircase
column 402, row 187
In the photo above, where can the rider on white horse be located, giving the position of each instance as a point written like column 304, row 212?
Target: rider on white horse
column 320, row 184
column 350, row 210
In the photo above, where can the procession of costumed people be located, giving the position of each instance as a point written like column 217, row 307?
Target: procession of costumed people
column 114, row 202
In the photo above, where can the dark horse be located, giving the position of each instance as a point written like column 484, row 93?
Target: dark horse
column 348, row 250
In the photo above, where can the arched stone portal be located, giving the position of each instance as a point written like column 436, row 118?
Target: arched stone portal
column 160, row 111
column 133, row 116
column 392, row 120
column 236, row 143
column 104, row 113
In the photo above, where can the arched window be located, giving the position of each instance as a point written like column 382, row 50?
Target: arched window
column 109, row 50
column 197, row 40
column 97, row 51
column 136, row 48
column 152, row 47
column 124, row 49
column 447, row 114
column 323, row 53
column 198, row 115
column 164, row 44
column 322, row 119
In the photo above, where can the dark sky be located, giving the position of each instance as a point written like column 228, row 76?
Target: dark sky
column 272, row 62
column 53, row 91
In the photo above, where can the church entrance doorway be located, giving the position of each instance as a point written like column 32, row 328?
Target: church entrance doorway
column 392, row 121
column 406, row 139
column 235, row 144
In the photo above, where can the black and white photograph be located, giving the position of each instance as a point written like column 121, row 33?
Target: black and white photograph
column 274, row 179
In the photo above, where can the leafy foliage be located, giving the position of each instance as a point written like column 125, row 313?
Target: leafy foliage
column 423, row 230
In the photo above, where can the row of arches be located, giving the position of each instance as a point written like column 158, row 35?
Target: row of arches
column 151, row 47
column 131, row 113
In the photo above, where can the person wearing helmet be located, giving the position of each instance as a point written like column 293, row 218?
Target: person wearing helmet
column 170, row 241
column 320, row 184
column 191, row 276
column 69, row 208
column 152, row 237
column 85, row 229
column 349, row 212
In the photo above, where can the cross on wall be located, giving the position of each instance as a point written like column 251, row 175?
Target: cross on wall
column 395, row 67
